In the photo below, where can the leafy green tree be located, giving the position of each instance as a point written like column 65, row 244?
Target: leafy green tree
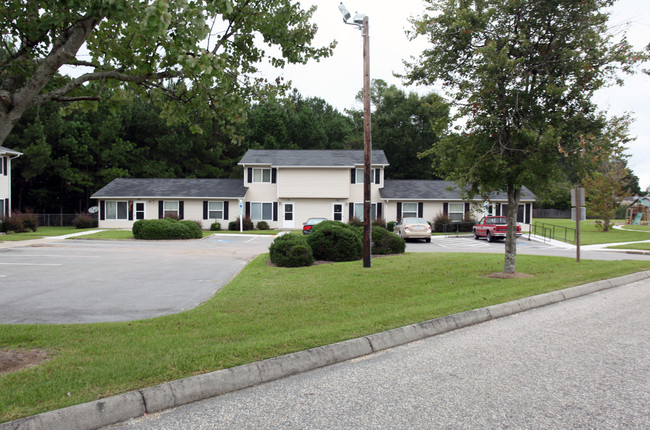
column 191, row 57
column 522, row 74
column 405, row 126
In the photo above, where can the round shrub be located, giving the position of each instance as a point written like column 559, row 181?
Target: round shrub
column 386, row 242
column 165, row 229
column 247, row 224
column 335, row 241
column 84, row 220
column 291, row 250
column 262, row 225
column 390, row 225
column 215, row 226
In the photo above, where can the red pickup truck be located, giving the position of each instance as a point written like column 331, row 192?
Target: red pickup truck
column 493, row 228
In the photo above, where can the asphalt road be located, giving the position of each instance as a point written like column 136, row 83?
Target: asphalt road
column 82, row 281
column 583, row 363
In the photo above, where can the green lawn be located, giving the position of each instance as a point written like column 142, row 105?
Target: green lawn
column 590, row 235
column 645, row 246
column 266, row 312
column 42, row 232
column 118, row 234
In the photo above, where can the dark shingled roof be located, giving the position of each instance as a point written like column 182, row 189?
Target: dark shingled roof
column 186, row 188
column 310, row 158
column 415, row 189
column 4, row 150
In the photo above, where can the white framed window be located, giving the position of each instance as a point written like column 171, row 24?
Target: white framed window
column 456, row 211
column 409, row 210
column 171, row 209
column 359, row 176
column 215, row 210
column 337, row 212
column 262, row 175
column 358, row 211
column 116, row 210
column 261, row 211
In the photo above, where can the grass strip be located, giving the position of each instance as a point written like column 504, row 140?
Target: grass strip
column 42, row 232
column 590, row 235
column 266, row 312
column 644, row 246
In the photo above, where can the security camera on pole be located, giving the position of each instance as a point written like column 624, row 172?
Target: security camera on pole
column 361, row 21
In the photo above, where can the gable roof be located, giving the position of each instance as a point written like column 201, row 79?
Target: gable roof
column 420, row 189
column 172, row 188
column 310, row 158
column 4, row 150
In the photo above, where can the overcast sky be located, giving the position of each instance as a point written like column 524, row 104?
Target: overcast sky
column 339, row 78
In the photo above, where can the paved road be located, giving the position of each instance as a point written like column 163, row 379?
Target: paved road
column 81, row 281
column 584, row 363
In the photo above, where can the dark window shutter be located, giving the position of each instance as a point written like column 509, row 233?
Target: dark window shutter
column 377, row 176
column 102, row 205
column 7, row 207
column 5, row 162
column 275, row 211
column 274, row 175
column 399, row 211
column 353, row 176
column 225, row 210
column 131, row 210
column 499, row 209
column 420, row 209
column 205, row 209
column 181, row 209
column 466, row 208
column 379, row 212
column 248, row 209
column 528, row 210
column 445, row 209
column 351, row 210
column 250, row 174
column 161, row 214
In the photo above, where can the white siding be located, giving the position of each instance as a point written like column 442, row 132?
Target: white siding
column 314, row 183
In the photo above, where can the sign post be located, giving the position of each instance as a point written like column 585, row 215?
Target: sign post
column 241, row 216
column 578, row 213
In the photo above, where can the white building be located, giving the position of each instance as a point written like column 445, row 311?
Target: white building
column 6, row 155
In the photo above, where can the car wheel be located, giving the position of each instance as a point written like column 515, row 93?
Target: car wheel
column 428, row 239
column 475, row 235
column 489, row 237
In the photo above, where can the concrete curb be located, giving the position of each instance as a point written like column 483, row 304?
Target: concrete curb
column 171, row 394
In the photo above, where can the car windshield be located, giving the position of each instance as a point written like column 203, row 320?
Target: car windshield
column 414, row 221
column 496, row 220
column 314, row 220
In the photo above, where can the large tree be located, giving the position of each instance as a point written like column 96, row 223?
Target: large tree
column 522, row 74
column 199, row 53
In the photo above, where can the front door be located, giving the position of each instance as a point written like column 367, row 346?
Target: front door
column 288, row 218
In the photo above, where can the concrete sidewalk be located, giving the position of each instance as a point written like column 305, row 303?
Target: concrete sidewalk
column 45, row 239
column 134, row 404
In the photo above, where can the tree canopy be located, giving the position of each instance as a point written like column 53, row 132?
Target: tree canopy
column 191, row 56
column 522, row 74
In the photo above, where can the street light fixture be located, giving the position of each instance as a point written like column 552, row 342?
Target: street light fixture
column 361, row 21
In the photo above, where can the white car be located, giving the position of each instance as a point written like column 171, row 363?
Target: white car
column 413, row 228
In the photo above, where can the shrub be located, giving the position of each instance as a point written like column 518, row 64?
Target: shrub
column 335, row 241
column 262, row 225
column 165, row 229
column 215, row 226
column 291, row 250
column 12, row 223
column 439, row 222
column 355, row 222
column 390, row 225
column 247, row 224
column 386, row 242
column 84, row 220
column 379, row 222
column 29, row 220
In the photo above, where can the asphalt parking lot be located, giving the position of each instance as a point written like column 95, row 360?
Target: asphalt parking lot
column 83, row 281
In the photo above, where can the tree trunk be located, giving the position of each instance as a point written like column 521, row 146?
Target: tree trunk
column 514, row 194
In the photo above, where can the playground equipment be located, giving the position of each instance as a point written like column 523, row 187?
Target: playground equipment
column 638, row 213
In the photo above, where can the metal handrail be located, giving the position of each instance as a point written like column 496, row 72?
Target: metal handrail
column 553, row 232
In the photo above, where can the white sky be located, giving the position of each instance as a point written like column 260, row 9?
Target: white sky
column 339, row 78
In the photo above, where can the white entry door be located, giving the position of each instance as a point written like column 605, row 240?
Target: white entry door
column 288, row 218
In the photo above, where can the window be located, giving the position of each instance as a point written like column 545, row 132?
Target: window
column 116, row 210
column 456, row 211
column 409, row 210
column 359, row 176
column 170, row 210
column 139, row 210
column 261, row 211
column 262, row 175
column 338, row 212
column 358, row 211
column 215, row 210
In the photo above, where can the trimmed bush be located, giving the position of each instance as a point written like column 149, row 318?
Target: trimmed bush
column 29, row 220
column 355, row 222
column 391, row 225
column 380, row 222
column 439, row 222
column 262, row 225
column 84, row 220
column 335, row 241
column 291, row 250
column 247, row 224
column 166, row 229
column 12, row 224
column 20, row 222
column 215, row 226
column 386, row 242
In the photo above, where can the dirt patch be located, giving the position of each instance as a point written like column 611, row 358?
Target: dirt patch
column 12, row 360
column 504, row 275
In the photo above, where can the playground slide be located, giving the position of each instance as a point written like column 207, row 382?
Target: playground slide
column 637, row 218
